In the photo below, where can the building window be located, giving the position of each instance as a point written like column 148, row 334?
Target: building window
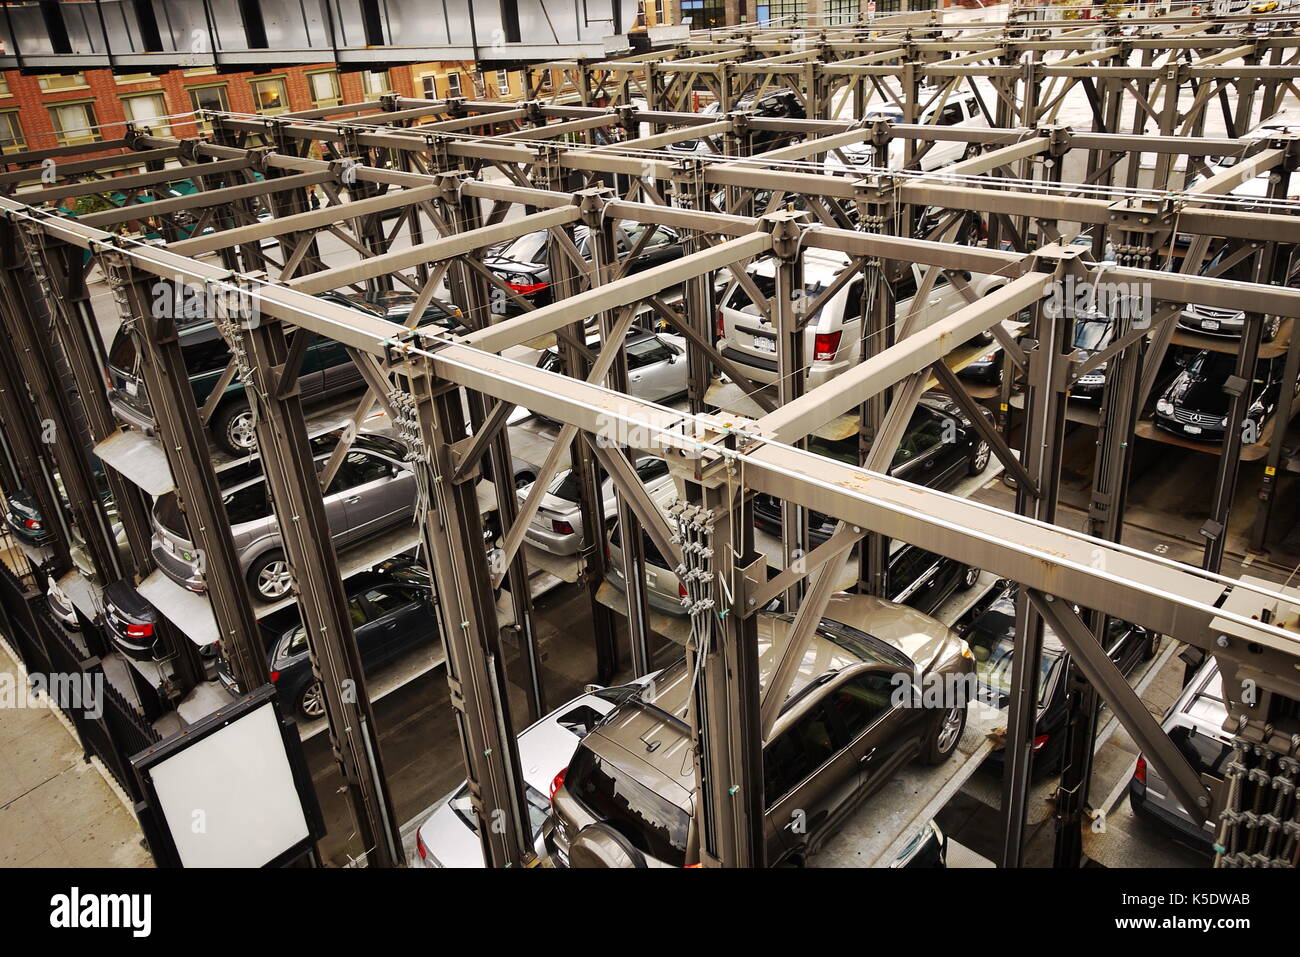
column 324, row 88
column 787, row 13
column 376, row 82
column 134, row 77
column 544, row 82
column 4, row 85
column 208, row 98
column 453, row 84
column 11, row 133
column 840, row 12
column 62, row 81
column 659, row 13
column 74, row 123
column 704, row 14
column 148, row 110
column 271, row 96
column 503, row 82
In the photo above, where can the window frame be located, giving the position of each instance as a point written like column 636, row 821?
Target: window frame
column 255, row 81
column 92, row 127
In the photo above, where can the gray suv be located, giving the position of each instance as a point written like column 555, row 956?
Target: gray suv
column 372, row 491
column 847, row 725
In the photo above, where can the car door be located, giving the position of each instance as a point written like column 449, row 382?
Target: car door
column 863, row 703
column 393, row 614
column 804, row 770
column 916, row 579
column 917, row 455
column 365, row 477
column 652, row 369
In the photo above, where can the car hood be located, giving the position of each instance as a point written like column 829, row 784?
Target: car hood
column 922, row 638
column 1198, row 394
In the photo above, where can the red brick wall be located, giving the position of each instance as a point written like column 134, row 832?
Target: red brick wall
column 31, row 102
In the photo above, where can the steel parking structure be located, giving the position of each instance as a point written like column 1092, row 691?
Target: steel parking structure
column 457, row 177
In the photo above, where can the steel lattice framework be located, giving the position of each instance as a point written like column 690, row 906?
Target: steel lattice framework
column 452, row 179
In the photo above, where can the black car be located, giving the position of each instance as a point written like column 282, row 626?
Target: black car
column 388, row 617
column 327, row 370
column 1196, row 407
column 132, row 622
column 924, row 580
column 1091, row 336
column 990, row 630
column 523, row 264
column 940, row 447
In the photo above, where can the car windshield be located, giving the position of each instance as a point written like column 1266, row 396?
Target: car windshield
column 1091, row 334
column 992, row 643
column 650, row 821
column 538, row 808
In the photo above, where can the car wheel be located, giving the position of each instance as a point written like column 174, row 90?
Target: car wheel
column 234, row 428
column 311, row 701
column 1271, row 328
column 945, row 731
column 1151, row 648
column 979, row 459
column 969, row 576
column 269, row 577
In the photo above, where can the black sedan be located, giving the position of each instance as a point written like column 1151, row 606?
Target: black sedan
column 389, row 617
column 1196, row 406
column 940, row 447
column 990, row 630
column 523, row 264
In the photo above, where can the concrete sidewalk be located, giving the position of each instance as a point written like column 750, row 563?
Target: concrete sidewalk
column 55, row 808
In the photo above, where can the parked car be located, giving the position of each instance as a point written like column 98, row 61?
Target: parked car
column 373, row 491
column 1218, row 321
column 132, row 622
column 1195, row 725
column 524, row 264
column 779, row 103
column 327, row 371
column 557, row 526
column 388, row 618
column 832, row 336
column 450, row 836
column 960, row 109
column 24, row 518
column 61, row 607
column 990, row 630
column 923, row 457
column 1196, row 407
column 656, row 364
column 839, row 738
column 1091, row 336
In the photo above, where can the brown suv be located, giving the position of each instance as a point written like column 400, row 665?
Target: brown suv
column 866, row 700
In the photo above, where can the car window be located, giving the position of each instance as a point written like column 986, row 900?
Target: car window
column 388, row 598
column 207, row 355
column 797, row 752
column 651, row 469
column 860, row 701
column 952, row 114
column 907, row 565
column 247, row 504
column 538, row 808
column 1206, row 754
column 647, row 352
column 298, row 639
column 358, row 468
column 923, row 434
column 580, row 720
column 650, row 821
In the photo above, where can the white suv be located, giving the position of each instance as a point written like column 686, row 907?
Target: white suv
column 961, row 109
column 832, row 337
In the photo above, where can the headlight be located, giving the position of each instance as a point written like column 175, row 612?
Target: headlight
column 1165, row 408
column 1224, row 423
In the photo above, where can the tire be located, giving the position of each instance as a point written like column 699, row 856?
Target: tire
column 1152, row 647
column 979, row 457
column 268, row 577
column 1272, row 328
column 942, row 736
column 310, row 700
column 232, row 428
column 969, row 576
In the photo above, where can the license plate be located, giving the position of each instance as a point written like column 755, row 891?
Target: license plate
column 1210, row 325
column 1192, row 429
column 169, row 546
column 132, row 387
column 765, row 345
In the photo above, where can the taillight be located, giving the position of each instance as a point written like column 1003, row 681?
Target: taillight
column 1040, row 742
column 1140, row 772
column 275, row 676
column 825, row 345
column 681, row 589
column 722, row 326
column 31, row 524
column 561, row 528
column 527, row 288
column 557, row 782
column 419, row 846
column 140, row 631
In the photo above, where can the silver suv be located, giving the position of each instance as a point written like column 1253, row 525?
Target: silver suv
column 847, row 725
column 1195, row 725
column 372, row 491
